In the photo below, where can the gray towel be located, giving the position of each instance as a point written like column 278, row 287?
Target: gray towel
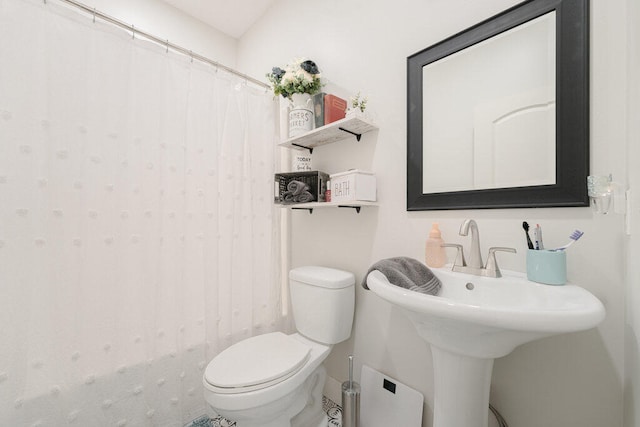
column 297, row 187
column 407, row 273
column 297, row 192
column 304, row 197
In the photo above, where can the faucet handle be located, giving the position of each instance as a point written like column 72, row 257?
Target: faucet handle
column 460, row 261
column 492, row 264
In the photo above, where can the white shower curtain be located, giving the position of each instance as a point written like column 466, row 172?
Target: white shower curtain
column 138, row 236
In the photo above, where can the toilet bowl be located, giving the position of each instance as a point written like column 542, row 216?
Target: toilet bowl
column 261, row 393
column 274, row 379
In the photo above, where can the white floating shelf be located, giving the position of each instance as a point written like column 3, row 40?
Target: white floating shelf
column 355, row 204
column 349, row 127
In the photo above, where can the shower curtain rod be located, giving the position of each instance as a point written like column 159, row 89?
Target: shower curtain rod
column 158, row 40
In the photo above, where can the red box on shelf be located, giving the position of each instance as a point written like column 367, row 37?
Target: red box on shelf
column 334, row 108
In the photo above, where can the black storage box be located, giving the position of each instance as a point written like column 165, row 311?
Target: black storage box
column 289, row 192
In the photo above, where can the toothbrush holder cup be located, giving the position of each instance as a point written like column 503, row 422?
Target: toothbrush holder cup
column 600, row 193
column 547, row 267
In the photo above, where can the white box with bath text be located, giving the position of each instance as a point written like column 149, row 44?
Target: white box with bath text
column 353, row 185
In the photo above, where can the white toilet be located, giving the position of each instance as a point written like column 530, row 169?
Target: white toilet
column 276, row 380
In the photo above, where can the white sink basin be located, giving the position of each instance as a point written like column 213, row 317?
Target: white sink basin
column 476, row 319
column 487, row 317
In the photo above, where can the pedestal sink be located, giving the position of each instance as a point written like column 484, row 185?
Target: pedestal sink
column 476, row 319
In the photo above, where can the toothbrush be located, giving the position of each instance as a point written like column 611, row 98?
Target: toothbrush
column 525, row 225
column 537, row 232
column 574, row 238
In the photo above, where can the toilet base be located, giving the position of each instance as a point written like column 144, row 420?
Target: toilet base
column 312, row 415
column 304, row 407
column 323, row 422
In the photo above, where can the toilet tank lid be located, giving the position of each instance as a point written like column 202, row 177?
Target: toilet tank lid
column 323, row 276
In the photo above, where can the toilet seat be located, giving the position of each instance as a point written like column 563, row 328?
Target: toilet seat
column 256, row 363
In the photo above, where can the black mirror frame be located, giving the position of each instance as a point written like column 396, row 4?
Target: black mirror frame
column 572, row 112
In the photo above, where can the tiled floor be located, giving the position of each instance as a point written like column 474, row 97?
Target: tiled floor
column 334, row 413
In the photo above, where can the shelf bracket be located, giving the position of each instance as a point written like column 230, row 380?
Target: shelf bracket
column 304, row 209
column 307, row 148
column 357, row 135
column 357, row 208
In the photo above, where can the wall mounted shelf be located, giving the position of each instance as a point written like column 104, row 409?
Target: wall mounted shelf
column 333, row 132
column 356, row 204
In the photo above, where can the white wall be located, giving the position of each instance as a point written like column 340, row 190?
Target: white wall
column 569, row 380
column 163, row 20
column 632, row 330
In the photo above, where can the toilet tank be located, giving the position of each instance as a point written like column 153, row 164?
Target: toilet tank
column 323, row 302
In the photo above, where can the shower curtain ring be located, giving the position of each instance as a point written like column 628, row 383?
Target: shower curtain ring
column 133, row 31
column 94, row 15
column 191, row 55
column 167, row 46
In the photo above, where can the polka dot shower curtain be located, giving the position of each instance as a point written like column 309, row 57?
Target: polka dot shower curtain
column 138, row 236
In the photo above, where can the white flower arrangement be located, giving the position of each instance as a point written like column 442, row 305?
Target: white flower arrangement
column 358, row 102
column 301, row 76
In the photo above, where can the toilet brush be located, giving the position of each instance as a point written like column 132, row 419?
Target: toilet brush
column 350, row 400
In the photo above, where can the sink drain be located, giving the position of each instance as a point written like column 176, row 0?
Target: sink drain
column 470, row 286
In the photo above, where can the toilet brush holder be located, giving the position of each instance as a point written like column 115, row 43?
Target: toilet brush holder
column 350, row 400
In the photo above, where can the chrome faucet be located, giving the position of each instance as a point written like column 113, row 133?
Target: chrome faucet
column 475, row 265
column 475, row 258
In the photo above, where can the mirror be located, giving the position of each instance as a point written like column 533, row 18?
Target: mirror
column 485, row 107
column 498, row 114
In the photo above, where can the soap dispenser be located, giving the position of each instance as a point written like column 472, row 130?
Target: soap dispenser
column 435, row 255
